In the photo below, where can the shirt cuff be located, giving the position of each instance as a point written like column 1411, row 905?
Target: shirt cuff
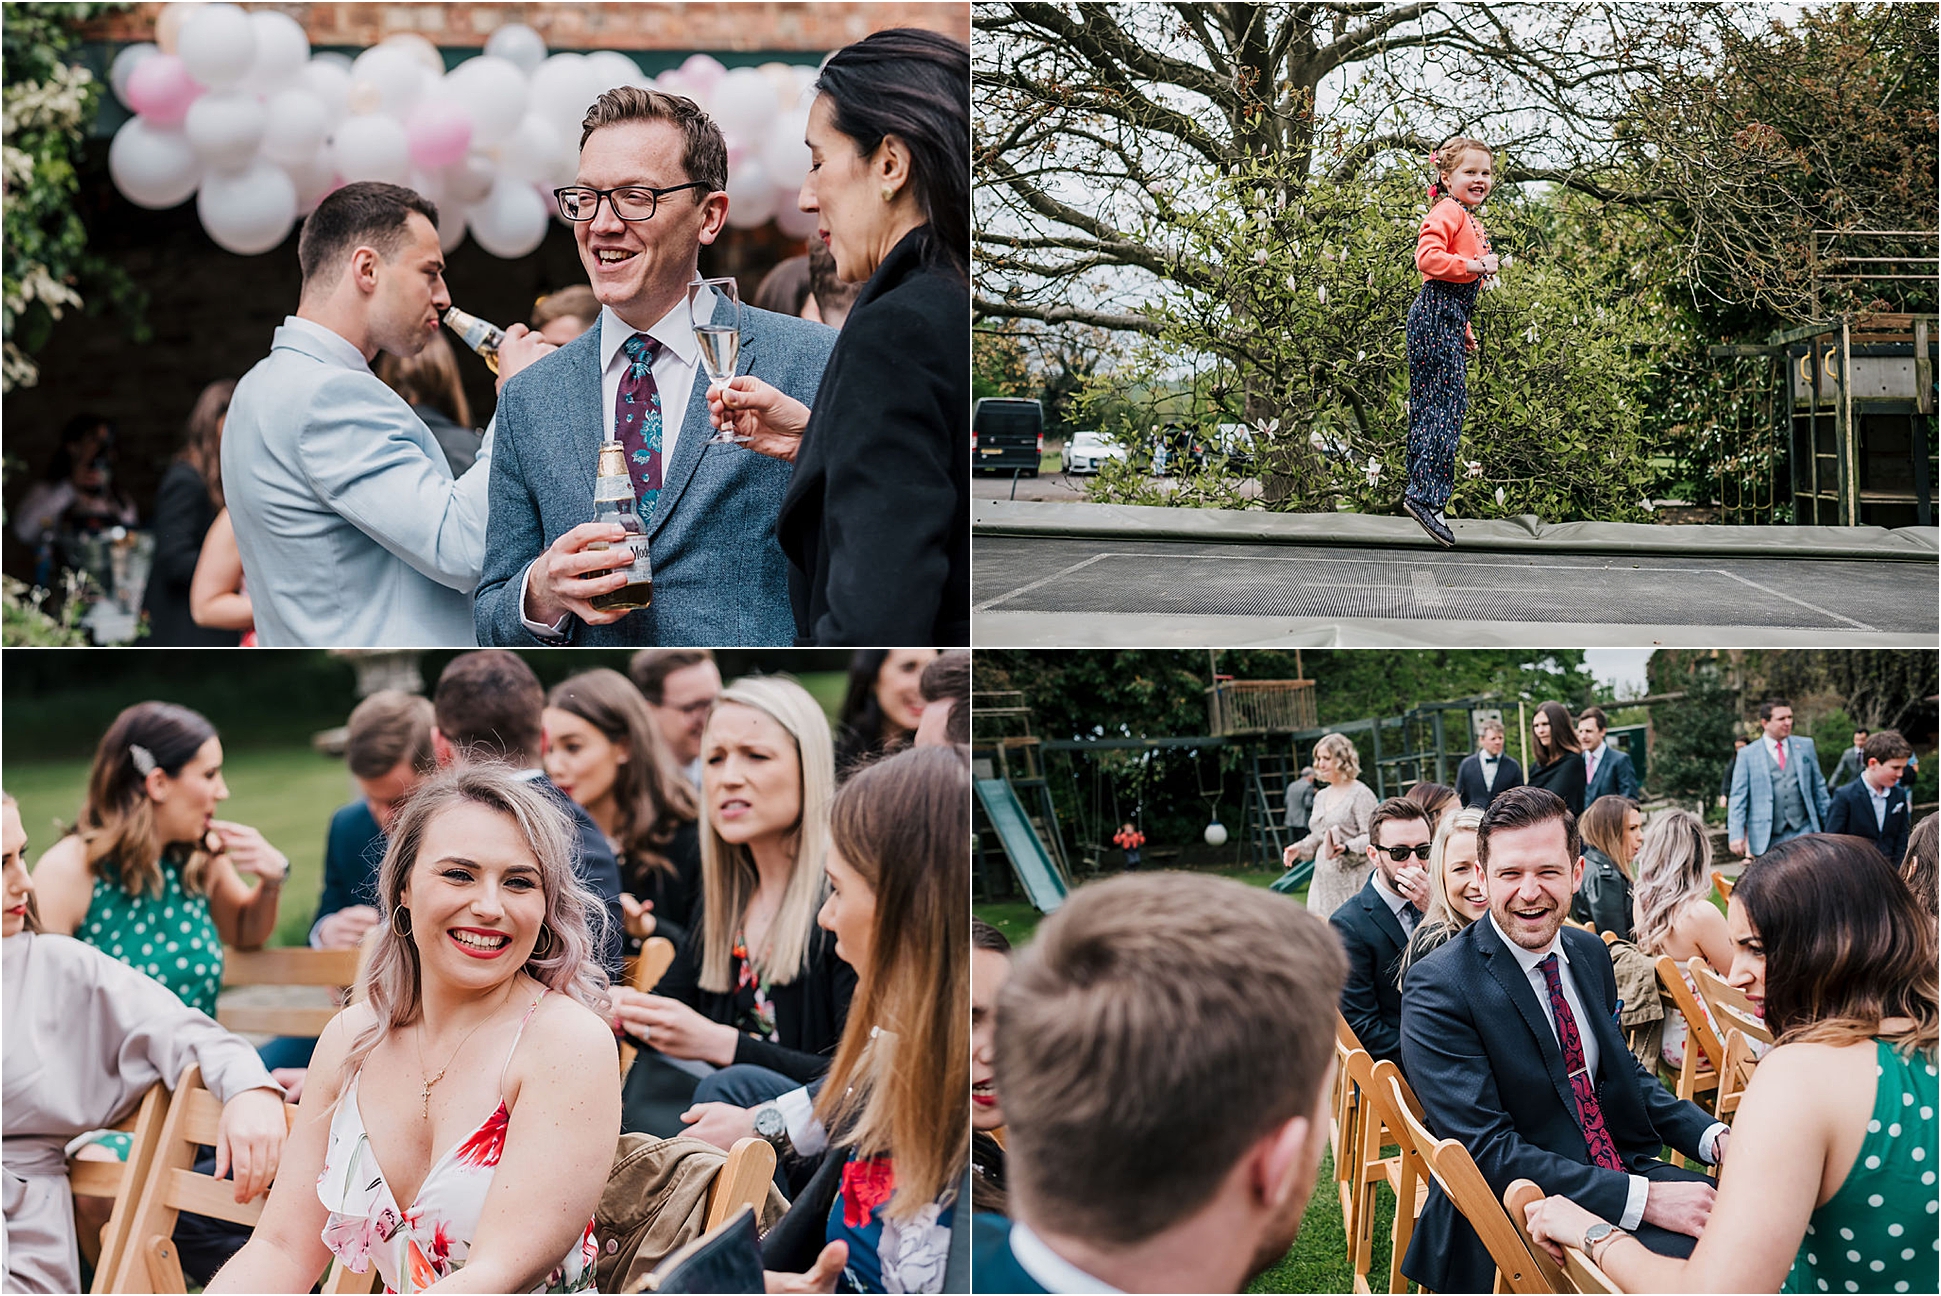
column 1708, row 1143
column 806, row 1134
column 554, row 633
column 1634, row 1204
column 316, row 933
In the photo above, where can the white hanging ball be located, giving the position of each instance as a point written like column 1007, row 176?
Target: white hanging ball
column 124, row 64
column 153, row 166
column 387, row 79
column 559, row 91
column 517, row 44
column 532, row 153
column 493, row 91
column 419, row 48
column 281, row 51
column 751, row 195
column 792, row 220
column 511, row 222
column 296, row 124
column 609, row 68
column 372, row 147
column 744, row 104
column 225, row 127
column 328, row 77
column 469, row 181
column 1216, row 833
column 313, row 179
column 248, row 212
column 217, row 44
column 783, row 153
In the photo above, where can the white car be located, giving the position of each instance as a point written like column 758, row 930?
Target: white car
column 1085, row 451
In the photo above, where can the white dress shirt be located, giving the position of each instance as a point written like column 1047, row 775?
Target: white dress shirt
column 1490, row 765
column 1772, row 748
column 1879, row 798
column 1529, row 961
column 675, row 366
column 1397, row 903
column 1053, row 1272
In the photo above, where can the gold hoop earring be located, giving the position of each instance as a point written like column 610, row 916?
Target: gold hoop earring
column 404, row 912
column 547, row 952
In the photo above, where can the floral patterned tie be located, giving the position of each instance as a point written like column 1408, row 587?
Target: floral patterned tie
column 1590, row 1113
column 637, row 421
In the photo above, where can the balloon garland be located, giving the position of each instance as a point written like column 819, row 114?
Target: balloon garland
column 232, row 108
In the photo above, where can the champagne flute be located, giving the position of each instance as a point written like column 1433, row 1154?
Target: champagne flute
column 718, row 332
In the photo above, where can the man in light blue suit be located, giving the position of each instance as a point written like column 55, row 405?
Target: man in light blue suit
column 1778, row 792
column 352, row 530
column 1607, row 771
column 648, row 195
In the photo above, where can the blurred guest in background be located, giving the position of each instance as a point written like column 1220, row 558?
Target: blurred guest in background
column 882, row 706
column 217, row 597
column 187, row 501
column 1612, row 828
column 561, row 316
column 76, row 497
column 429, row 384
column 785, row 289
column 946, row 688
column 830, row 296
column 680, row 685
column 388, row 750
column 1557, row 762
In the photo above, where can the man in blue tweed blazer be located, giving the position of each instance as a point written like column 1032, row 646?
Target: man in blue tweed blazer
column 652, row 172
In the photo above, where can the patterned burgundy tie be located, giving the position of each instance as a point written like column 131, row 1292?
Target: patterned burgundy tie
column 637, row 421
column 1590, row 1114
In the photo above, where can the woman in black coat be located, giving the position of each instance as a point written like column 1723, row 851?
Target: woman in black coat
column 876, row 522
column 186, row 503
column 1556, row 761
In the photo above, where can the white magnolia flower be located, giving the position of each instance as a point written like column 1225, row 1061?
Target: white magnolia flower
column 1267, row 427
column 1293, row 284
column 1649, row 507
column 1321, row 291
column 1260, row 257
column 1475, row 467
column 1316, row 440
column 1373, row 470
column 1371, row 278
column 1499, row 497
column 1361, row 355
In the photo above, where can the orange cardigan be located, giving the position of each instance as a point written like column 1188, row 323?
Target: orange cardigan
column 1446, row 241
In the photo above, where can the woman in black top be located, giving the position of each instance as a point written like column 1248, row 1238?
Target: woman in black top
column 876, row 522
column 186, row 503
column 1556, row 761
column 605, row 751
column 1612, row 828
column 882, row 705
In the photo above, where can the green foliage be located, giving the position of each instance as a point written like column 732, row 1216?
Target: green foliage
column 1694, row 739
column 27, row 622
column 1299, row 331
column 48, row 105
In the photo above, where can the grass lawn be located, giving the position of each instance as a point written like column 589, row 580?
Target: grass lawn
column 1017, row 919
column 286, row 793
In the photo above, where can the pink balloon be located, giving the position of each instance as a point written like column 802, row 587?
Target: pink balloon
column 161, row 90
column 439, row 133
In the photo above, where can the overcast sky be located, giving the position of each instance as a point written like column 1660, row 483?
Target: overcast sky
column 1619, row 669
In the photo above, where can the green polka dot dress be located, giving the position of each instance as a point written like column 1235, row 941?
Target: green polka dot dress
column 171, row 937
column 1882, row 1232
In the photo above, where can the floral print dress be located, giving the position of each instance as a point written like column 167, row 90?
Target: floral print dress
column 415, row 1247
column 888, row 1255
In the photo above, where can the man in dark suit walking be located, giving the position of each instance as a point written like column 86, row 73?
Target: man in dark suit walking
column 1487, row 771
column 1607, row 771
column 1376, row 922
column 1510, row 1039
column 1874, row 805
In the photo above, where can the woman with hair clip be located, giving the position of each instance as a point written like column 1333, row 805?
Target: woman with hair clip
column 758, row 986
column 886, row 1199
column 1829, row 1183
column 1672, row 911
column 1612, row 828
column 1557, row 763
column 86, row 1036
column 882, row 705
column 1458, row 896
column 186, row 503
column 458, row 1123
column 149, row 874
column 605, row 751
column 1337, row 836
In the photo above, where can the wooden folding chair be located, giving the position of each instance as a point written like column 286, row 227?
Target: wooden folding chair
column 1744, row 1029
column 1698, row 1075
column 1342, row 1137
column 1369, row 1134
column 1449, row 1161
column 644, row 971
column 1406, row 1172
column 1723, row 884
column 335, row 968
column 119, row 1182
column 743, row 1180
column 1577, row 1273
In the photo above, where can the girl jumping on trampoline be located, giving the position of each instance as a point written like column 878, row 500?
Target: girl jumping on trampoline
column 1454, row 256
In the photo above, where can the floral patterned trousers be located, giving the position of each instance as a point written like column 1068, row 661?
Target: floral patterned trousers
column 1438, row 387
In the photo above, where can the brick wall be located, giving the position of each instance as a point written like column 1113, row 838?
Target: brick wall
column 696, row 26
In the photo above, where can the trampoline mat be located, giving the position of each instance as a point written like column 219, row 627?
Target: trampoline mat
column 1014, row 574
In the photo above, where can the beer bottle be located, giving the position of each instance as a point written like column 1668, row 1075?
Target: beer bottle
column 613, row 501
column 482, row 337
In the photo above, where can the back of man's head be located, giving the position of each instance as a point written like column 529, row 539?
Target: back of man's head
column 489, row 707
column 650, row 667
column 948, row 679
column 387, row 727
column 1157, row 1026
column 367, row 213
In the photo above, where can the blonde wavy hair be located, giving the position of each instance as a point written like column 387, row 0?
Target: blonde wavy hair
column 728, row 877
column 1441, row 912
column 575, row 917
column 1338, row 749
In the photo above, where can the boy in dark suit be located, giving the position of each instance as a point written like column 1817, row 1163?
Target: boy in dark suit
column 1376, row 923
column 1511, row 1042
column 1874, row 805
column 1164, row 1050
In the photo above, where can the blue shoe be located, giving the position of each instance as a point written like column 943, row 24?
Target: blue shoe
column 1432, row 521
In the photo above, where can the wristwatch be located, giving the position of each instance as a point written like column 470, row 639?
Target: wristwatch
column 770, row 1126
column 1596, row 1233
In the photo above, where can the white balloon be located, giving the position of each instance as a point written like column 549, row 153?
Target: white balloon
column 124, row 64
column 314, row 179
column 296, row 125
column 511, row 222
column 610, row 68
column 327, row 76
column 519, row 45
column 153, row 167
column 281, row 51
column 493, row 91
column 419, row 48
column 397, row 77
column 532, row 153
column 1216, row 833
column 431, row 187
column 470, row 181
column 792, row 220
column 335, row 58
column 784, row 154
column 559, row 91
column 744, row 104
column 372, row 147
column 673, row 83
column 751, row 195
column 225, row 127
column 217, row 45
column 248, row 212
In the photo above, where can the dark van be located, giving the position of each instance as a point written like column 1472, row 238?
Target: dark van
column 1007, row 435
